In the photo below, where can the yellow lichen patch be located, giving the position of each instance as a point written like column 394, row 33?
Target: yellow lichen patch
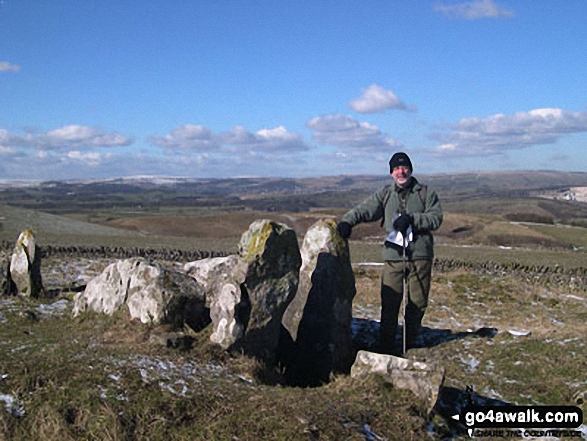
column 25, row 240
column 258, row 240
column 339, row 242
column 25, row 237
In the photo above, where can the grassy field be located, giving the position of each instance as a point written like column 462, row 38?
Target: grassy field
column 97, row 377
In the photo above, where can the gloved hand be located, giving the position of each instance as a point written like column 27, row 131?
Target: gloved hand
column 403, row 222
column 344, row 229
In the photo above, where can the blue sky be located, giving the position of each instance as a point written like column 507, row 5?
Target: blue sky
column 294, row 88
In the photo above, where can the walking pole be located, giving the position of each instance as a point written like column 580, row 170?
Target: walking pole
column 405, row 294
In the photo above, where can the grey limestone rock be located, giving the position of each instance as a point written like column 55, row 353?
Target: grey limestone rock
column 423, row 379
column 319, row 317
column 223, row 279
column 151, row 293
column 272, row 256
column 248, row 292
column 25, row 266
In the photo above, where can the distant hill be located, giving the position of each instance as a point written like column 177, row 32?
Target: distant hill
column 272, row 194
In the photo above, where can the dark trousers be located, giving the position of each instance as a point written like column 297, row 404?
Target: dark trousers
column 418, row 275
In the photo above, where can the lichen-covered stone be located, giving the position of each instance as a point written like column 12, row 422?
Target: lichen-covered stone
column 25, row 266
column 150, row 292
column 423, row 379
column 273, row 260
column 319, row 317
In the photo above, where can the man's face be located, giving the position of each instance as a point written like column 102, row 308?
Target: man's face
column 401, row 175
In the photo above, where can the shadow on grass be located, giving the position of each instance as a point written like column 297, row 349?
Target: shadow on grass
column 452, row 401
column 366, row 334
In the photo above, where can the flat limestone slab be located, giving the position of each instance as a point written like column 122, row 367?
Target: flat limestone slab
column 423, row 379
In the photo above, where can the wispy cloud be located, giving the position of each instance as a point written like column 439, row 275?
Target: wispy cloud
column 187, row 137
column 498, row 133
column 65, row 138
column 376, row 99
column 346, row 132
column 278, row 139
column 90, row 158
column 473, row 10
column 5, row 66
column 7, row 151
column 82, row 136
column 198, row 138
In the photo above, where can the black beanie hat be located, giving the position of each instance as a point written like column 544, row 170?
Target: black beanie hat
column 398, row 159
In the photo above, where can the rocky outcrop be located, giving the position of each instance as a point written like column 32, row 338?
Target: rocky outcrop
column 248, row 292
column 150, row 293
column 223, row 279
column 319, row 317
column 25, row 266
column 423, row 379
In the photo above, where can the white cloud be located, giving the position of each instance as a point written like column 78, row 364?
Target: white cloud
column 5, row 66
column 187, row 137
column 91, row 158
column 278, row 139
column 376, row 99
column 498, row 133
column 447, row 147
column 346, row 132
column 66, row 137
column 474, row 10
column 237, row 140
column 7, row 151
column 82, row 136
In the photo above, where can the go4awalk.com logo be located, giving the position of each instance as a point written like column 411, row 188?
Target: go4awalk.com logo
column 521, row 421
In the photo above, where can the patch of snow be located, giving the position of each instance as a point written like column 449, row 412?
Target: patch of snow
column 114, row 377
column 12, row 405
column 103, row 392
column 19, row 348
column 56, row 308
column 455, row 321
column 492, row 393
column 521, row 333
column 369, row 434
column 245, row 379
column 471, row 363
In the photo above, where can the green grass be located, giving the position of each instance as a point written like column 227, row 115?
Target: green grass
column 99, row 378
column 371, row 252
column 565, row 235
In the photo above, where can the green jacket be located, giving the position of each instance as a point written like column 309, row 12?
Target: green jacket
column 385, row 203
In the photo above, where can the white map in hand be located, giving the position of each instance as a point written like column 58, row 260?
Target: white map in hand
column 397, row 237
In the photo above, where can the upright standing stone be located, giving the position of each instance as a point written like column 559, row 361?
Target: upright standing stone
column 319, row 317
column 25, row 266
column 273, row 260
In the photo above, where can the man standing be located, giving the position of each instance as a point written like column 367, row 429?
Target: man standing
column 413, row 210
